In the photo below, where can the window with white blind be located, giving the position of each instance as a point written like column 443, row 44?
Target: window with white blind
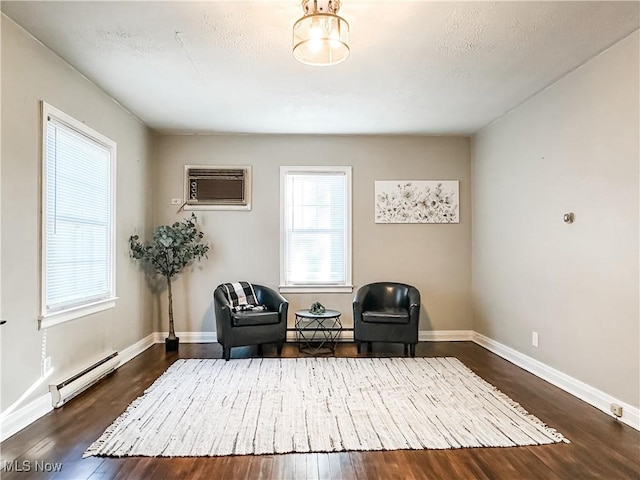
column 78, row 167
column 315, row 229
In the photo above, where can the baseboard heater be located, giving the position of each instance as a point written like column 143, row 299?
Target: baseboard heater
column 65, row 390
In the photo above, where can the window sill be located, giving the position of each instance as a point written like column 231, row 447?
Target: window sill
column 64, row 316
column 316, row 288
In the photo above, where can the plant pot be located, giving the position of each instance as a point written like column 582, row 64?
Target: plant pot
column 171, row 344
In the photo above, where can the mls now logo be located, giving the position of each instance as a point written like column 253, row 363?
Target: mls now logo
column 30, row 466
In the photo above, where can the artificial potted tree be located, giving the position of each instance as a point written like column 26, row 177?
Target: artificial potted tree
column 171, row 249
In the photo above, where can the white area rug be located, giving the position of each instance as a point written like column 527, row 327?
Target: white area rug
column 264, row 406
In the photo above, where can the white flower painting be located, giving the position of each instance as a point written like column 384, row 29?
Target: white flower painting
column 417, row 201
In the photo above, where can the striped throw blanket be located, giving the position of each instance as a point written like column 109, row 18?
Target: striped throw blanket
column 242, row 297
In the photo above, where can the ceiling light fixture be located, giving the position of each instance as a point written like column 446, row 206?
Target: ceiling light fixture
column 320, row 37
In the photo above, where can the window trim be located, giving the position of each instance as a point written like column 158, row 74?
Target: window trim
column 347, row 286
column 49, row 319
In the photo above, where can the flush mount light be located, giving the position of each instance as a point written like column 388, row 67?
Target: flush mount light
column 320, row 37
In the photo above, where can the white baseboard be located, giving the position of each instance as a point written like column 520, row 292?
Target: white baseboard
column 445, row 336
column 345, row 336
column 423, row 336
column 189, row 337
column 136, row 349
column 19, row 419
column 593, row 396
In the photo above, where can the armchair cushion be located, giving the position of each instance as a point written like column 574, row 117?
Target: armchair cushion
column 245, row 319
column 386, row 315
column 249, row 308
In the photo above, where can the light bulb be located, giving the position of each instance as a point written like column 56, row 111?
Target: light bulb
column 315, row 44
column 315, row 30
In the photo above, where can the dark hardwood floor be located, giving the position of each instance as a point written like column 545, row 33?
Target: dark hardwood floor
column 600, row 446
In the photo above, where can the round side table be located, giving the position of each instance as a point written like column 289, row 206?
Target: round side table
column 317, row 334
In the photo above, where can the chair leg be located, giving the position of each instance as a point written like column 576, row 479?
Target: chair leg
column 260, row 349
column 280, row 344
column 358, row 345
column 406, row 349
column 370, row 347
column 412, row 349
column 226, row 353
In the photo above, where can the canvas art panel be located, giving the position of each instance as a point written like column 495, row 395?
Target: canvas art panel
column 417, row 201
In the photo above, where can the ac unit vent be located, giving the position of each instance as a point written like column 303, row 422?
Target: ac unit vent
column 217, row 187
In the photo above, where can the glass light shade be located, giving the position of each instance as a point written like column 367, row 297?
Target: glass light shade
column 321, row 39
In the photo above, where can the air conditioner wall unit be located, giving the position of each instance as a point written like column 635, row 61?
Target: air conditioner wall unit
column 215, row 187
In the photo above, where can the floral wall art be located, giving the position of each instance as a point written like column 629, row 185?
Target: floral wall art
column 417, row 201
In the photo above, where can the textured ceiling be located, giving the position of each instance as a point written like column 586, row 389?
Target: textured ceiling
column 419, row 67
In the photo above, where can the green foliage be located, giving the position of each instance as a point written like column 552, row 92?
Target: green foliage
column 172, row 248
column 317, row 308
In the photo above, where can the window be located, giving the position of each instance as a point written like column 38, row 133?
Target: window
column 78, row 166
column 315, row 229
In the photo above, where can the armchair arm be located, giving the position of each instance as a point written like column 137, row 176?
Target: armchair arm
column 272, row 300
column 268, row 297
column 222, row 308
column 361, row 294
column 358, row 301
column 414, row 297
column 414, row 305
column 221, row 299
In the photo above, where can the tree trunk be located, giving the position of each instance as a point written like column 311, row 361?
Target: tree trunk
column 172, row 333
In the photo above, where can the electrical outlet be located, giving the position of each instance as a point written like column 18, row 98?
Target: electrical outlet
column 534, row 339
column 616, row 410
column 176, row 201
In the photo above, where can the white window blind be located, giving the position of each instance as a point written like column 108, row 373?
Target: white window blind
column 77, row 217
column 316, row 227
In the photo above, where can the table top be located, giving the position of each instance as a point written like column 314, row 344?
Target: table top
column 327, row 314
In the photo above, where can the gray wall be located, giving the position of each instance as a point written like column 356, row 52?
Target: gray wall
column 571, row 148
column 31, row 73
column 434, row 258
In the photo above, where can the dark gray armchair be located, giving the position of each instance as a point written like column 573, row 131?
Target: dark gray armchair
column 386, row 312
column 235, row 329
